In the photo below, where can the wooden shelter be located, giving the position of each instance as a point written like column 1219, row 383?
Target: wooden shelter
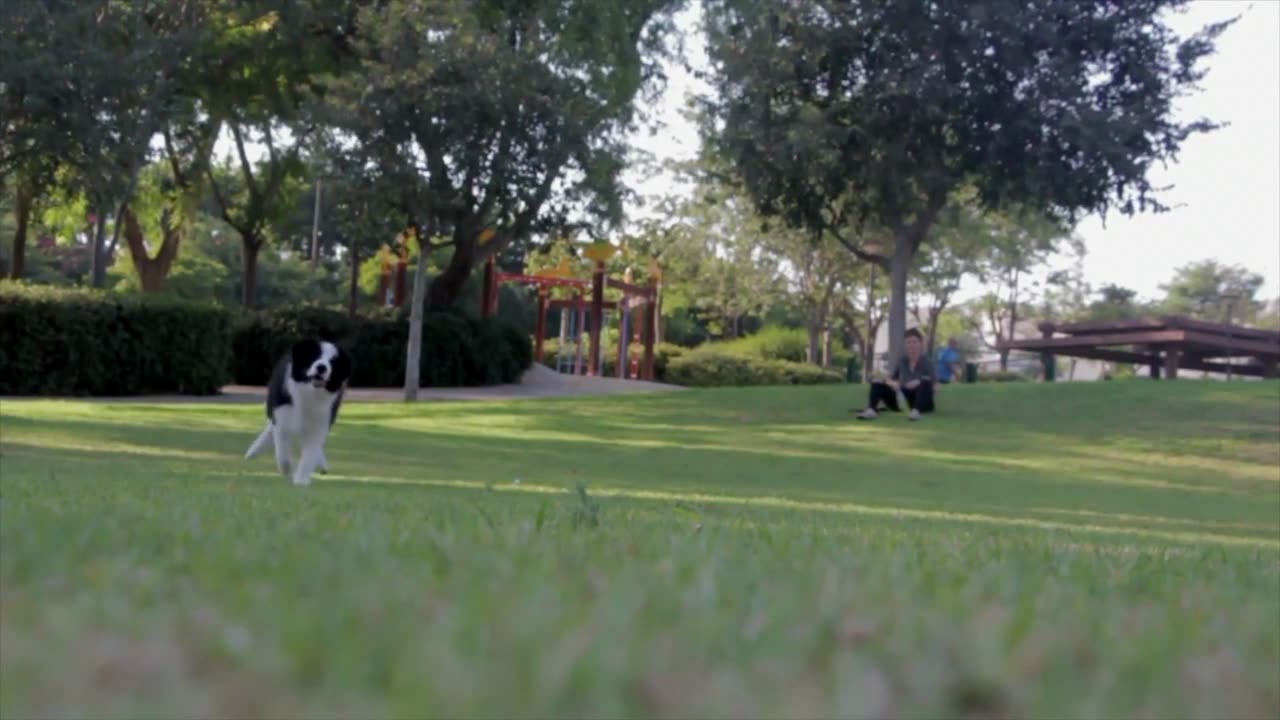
column 1166, row 344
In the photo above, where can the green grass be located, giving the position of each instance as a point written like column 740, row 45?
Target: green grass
column 1100, row 550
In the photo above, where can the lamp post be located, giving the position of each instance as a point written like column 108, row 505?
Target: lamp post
column 1230, row 298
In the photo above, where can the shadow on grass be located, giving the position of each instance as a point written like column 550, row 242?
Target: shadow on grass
column 1119, row 528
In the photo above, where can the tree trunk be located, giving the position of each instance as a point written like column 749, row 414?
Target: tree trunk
column 899, row 266
column 413, row 353
column 826, row 348
column 22, row 213
column 935, row 312
column 249, row 249
column 1013, row 322
column 812, row 352
column 865, row 350
column 152, row 271
column 448, row 285
column 97, row 252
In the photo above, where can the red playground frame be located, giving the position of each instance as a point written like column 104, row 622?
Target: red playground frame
column 634, row 296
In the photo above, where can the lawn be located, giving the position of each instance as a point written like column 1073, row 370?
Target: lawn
column 1087, row 550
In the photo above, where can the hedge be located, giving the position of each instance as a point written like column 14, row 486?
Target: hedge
column 71, row 341
column 709, row 368
column 1002, row 376
column 457, row 350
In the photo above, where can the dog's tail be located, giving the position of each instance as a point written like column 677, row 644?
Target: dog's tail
column 263, row 441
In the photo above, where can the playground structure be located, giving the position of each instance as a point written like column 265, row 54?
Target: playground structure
column 578, row 311
column 392, row 285
column 1166, row 344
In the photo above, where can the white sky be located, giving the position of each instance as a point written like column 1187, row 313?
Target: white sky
column 1226, row 183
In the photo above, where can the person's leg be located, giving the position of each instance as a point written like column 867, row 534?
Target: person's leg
column 911, row 395
column 880, row 392
column 923, row 400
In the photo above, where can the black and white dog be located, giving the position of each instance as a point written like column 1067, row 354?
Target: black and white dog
column 303, row 398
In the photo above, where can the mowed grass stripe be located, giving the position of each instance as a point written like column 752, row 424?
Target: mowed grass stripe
column 1084, row 550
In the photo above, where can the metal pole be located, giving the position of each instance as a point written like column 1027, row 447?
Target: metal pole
column 315, row 230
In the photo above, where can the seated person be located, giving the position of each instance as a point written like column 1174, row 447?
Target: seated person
column 912, row 375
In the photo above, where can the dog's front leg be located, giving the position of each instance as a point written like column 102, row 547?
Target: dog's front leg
column 312, row 456
column 282, row 447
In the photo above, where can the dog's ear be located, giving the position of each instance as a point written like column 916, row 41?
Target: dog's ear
column 340, row 372
column 303, row 354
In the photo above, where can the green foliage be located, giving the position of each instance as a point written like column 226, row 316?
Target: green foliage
column 456, row 350
column 1115, row 303
column 1207, row 290
column 57, row 341
column 708, row 367
column 682, row 327
column 508, row 116
column 1002, row 376
column 771, row 343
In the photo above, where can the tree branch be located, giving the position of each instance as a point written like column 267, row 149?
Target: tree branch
column 245, row 168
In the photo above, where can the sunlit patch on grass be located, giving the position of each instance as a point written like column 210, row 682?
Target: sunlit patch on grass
column 728, row 553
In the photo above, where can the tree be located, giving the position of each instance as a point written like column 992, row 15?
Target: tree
column 874, row 114
column 252, row 196
column 507, row 116
column 861, row 306
column 271, row 58
column 940, row 268
column 1019, row 244
column 1209, row 290
column 1115, row 303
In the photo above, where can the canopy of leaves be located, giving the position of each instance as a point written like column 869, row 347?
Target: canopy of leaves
column 1207, row 289
column 496, row 114
column 878, row 110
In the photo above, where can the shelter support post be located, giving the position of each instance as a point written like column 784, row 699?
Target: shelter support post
column 597, row 318
column 1047, row 359
column 1172, row 358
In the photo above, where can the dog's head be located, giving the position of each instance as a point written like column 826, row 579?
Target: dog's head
column 321, row 364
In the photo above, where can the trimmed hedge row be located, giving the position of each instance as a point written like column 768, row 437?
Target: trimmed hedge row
column 711, row 365
column 69, row 341
column 76, row 342
column 457, row 350
column 709, row 368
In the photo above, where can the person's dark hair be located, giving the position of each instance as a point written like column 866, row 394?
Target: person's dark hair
column 915, row 334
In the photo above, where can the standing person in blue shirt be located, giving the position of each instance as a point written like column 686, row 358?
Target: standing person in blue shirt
column 948, row 362
column 912, row 376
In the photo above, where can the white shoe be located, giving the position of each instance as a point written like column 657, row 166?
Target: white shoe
column 914, row 415
column 868, row 414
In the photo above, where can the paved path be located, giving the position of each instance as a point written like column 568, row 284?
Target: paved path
column 538, row 382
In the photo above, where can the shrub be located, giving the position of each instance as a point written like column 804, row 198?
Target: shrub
column 1002, row 376
column 456, row 350
column 72, row 341
column 771, row 343
column 708, row 368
